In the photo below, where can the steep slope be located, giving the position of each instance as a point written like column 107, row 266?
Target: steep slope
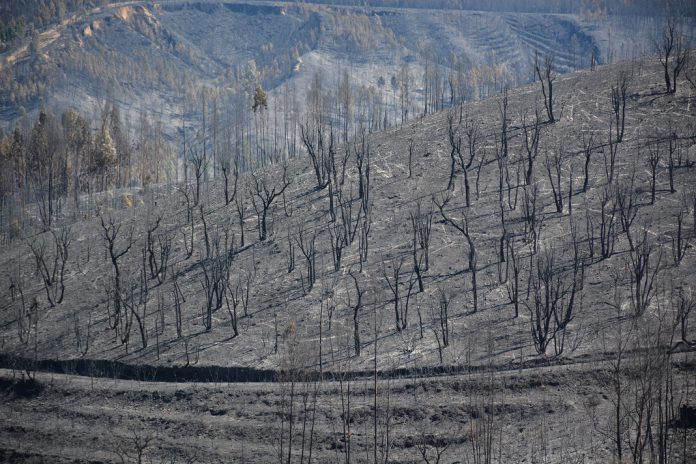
column 280, row 306
column 493, row 395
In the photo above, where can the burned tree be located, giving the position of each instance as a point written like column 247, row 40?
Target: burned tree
column 587, row 146
column 672, row 46
column 265, row 192
column 653, row 164
column 216, row 276
column 679, row 241
column 400, row 316
column 356, row 312
column 441, row 321
column 553, row 168
column 463, row 160
column 513, row 286
column 685, row 302
column 421, row 226
column 628, row 207
column 547, row 75
column 553, row 300
column 531, row 144
column 230, row 169
column 618, row 104
column 463, row 227
column 306, row 246
column 110, row 232
column 644, row 267
column 607, row 222
column 455, row 141
column 319, row 153
column 158, row 253
column 239, row 206
column 338, row 242
column 200, row 168
column 52, row 271
column 610, row 156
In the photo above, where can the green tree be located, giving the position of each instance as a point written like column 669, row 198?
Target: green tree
column 105, row 157
column 260, row 99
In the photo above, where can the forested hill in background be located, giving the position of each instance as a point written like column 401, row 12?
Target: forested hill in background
column 171, row 62
column 21, row 17
column 597, row 7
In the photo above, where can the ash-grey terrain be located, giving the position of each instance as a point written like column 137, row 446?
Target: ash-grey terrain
column 507, row 278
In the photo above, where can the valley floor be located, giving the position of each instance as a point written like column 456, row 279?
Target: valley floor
column 540, row 415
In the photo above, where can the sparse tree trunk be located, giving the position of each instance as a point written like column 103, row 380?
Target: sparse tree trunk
column 547, row 76
column 587, row 144
column 653, row 163
column 463, row 227
column 644, row 269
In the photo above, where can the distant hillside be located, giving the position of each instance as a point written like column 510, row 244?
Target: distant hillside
column 156, row 57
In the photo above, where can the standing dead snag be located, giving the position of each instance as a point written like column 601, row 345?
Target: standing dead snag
column 239, row 206
column 234, row 294
column 82, row 337
column 473, row 134
column 455, row 141
column 643, row 270
column 421, row 225
column 472, row 130
column 318, row 152
column 513, row 286
column 628, row 207
column 158, row 257
column 25, row 316
column 672, row 45
column 200, row 168
column 679, row 242
column 228, row 171
column 110, row 231
column 410, row 158
column 552, row 305
column 607, row 222
column 306, row 246
column 531, row 144
column 555, row 179
column 502, row 107
column 338, row 242
column 356, row 313
column 547, row 75
column 440, row 322
column 672, row 163
column 653, row 163
column 618, row 104
column 610, row 157
column 587, row 146
column 52, row 272
column 463, row 227
column 216, row 276
column 533, row 220
column 262, row 189
column 502, row 171
column 178, row 300
column 150, row 244
column 399, row 317
column 685, row 302
column 188, row 239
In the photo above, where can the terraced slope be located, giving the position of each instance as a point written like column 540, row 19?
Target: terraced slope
column 147, row 55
